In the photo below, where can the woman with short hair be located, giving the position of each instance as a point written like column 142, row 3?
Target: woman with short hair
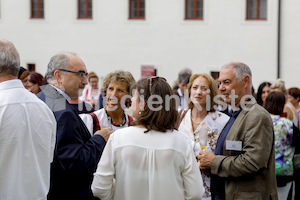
column 36, row 80
column 114, row 88
column 150, row 160
column 24, row 76
column 92, row 93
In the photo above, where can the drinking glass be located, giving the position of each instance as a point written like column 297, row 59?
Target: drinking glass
column 203, row 137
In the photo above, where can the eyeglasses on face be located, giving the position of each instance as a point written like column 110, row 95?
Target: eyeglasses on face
column 80, row 73
column 151, row 79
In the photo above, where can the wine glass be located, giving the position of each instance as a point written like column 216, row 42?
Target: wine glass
column 203, row 137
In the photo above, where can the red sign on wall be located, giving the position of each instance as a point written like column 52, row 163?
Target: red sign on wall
column 148, row 71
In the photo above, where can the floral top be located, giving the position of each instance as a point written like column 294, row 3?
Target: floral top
column 213, row 125
column 284, row 152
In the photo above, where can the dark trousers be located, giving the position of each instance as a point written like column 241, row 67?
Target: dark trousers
column 297, row 184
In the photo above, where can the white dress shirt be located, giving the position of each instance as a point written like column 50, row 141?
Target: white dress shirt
column 149, row 166
column 27, row 140
column 183, row 104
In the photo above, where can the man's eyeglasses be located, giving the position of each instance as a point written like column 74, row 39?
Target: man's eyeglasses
column 151, row 79
column 80, row 73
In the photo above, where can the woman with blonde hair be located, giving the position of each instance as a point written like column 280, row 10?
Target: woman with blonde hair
column 114, row 88
column 150, row 160
column 201, row 122
column 279, row 86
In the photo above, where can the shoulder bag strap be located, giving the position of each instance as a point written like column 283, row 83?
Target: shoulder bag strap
column 96, row 124
column 181, row 116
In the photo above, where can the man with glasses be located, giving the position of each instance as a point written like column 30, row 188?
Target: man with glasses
column 76, row 152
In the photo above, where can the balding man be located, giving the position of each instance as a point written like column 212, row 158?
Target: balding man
column 243, row 166
column 76, row 152
column 27, row 134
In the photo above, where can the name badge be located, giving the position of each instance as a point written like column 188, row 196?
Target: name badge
column 233, row 145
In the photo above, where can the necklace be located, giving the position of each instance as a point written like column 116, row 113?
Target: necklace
column 115, row 123
column 195, row 121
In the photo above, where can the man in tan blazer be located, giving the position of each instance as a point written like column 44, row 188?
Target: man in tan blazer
column 243, row 166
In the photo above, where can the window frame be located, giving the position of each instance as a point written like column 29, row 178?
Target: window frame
column 86, row 10
column 138, row 10
column 194, row 11
column 39, row 9
column 257, row 11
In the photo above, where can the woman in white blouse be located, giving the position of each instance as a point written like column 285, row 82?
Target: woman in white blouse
column 150, row 160
column 91, row 94
column 116, row 86
column 201, row 122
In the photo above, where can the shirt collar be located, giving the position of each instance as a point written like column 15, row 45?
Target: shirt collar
column 62, row 92
column 14, row 83
column 179, row 92
column 235, row 113
column 232, row 113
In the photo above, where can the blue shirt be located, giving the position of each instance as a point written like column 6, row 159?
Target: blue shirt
column 218, row 183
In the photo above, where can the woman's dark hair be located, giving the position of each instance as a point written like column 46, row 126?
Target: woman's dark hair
column 36, row 78
column 294, row 92
column 275, row 103
column 23, row 73
column 259, row 92
column 159, row 119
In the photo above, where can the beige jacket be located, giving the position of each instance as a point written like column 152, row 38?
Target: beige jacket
column 249, row 173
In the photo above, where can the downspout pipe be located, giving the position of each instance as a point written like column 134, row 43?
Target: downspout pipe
column 278, row 38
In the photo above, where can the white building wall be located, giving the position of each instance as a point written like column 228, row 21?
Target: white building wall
column 290, row 60
column 110, row 41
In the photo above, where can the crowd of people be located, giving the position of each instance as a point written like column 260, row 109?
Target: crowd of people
column 131, row 140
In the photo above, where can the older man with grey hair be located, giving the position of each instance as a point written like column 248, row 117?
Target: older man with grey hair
column 77, row 153
column 27, row 134
column 243, row 166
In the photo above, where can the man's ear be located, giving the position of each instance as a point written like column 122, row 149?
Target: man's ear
column 58, row 76
column 246, row 81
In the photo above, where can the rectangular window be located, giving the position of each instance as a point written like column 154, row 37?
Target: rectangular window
column 215, row 74
column 37, row 9
column 136, row 9
column 256, row 9
column 194, row 9
column 85, row 9
column 31, row 67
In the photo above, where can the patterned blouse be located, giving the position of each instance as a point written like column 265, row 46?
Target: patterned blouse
column 284, row 152
column 213, row 124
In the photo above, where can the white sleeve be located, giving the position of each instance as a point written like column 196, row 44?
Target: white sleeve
column 104, row 183
column 88, row 121
column 192, row 179
column 53, row 139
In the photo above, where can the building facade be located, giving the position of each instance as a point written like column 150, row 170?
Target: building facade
column 169, row 35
